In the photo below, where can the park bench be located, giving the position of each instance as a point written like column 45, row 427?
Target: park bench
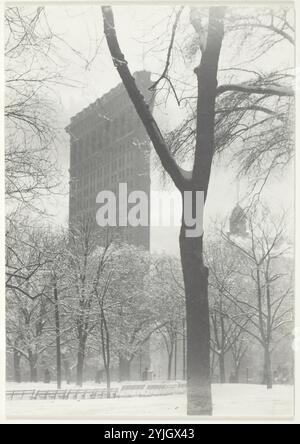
column 41, row 394
column 171, row 389
column 50, row 394
column 114, row 393
column 96, row 394
column 161, row 389
column 155, row 389
column 182, row 387
column 129, row 390
column 20, row 394
column 61, row 394
column 91, row 394
column 102, row 393
column 77, row 394
column 9, row 395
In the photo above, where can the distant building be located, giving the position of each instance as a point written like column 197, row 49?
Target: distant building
column 108, row 146
column 238, row 222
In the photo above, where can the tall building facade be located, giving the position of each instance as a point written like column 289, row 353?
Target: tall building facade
column 109, row 146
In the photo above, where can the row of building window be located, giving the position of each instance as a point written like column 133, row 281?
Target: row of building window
column 86, row 198
column 124, row 153
column 103, row 178
column 101, row 138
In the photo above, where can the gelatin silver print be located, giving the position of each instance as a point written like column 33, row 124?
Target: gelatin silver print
column 149, row 167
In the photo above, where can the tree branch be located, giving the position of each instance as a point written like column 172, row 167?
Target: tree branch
column 207, row 85
column 251, row 89
column 261, row 109
column 168, row 61
column 138, row 101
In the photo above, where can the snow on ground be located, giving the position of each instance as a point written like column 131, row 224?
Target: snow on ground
column 238, row 400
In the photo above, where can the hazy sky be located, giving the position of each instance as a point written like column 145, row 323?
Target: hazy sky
column 88, row 62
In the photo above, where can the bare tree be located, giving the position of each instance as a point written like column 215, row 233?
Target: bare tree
column 194, row 271
column 168, row 290
column 123, row 318
column 254, row 124
column 28, row 335
column 136, row 307
column 34, row 268
column 56, row 245
column 33, row 69
column 106, row 314
column 84, row 255
column 239, row 350
column 226, row 336
column 26, row 259
column 269, row 310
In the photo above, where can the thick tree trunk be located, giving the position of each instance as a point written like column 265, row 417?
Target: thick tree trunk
column 124, row 369
column 67, row 370
column 17, row 367
column 222, row 368
column 194, row 272
column 105, row 343
column 80, row 365
column 198, row 331
column 170, row 365
column 267, row 376
column 33, row 367
column 58, row 344
column 33, row 373
column 175, row 359
column 108, row 381
column 237, row 373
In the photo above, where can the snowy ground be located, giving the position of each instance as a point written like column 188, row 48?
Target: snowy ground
column 250, row 401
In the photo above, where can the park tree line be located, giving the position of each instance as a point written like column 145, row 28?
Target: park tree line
column 83, row 298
